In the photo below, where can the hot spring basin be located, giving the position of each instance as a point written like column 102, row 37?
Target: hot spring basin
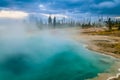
column 49, row 58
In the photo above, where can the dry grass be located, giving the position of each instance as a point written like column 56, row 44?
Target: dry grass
column 106, row 33
column 109, row 47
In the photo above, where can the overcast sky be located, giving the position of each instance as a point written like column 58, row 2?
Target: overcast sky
column 64, row 7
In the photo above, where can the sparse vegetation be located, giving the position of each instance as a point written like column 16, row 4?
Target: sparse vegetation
column 115, row 33
column 109, row 47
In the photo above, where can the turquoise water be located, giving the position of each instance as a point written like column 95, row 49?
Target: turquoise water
column 49, row 58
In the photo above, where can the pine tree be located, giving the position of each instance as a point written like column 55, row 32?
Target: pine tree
column 109, row 24
column 54, row 22
column 49, row 20
column 118, row 25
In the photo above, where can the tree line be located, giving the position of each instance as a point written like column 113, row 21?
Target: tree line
column 113, row 24
column 54, row 22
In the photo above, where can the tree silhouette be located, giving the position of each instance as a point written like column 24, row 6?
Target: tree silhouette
column 54, row 22
column 49, row 20
column 118, row 22
column 109, row 24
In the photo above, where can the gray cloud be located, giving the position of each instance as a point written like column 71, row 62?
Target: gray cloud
column 94, row 7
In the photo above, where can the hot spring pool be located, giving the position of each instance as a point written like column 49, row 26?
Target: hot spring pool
column 49, row 58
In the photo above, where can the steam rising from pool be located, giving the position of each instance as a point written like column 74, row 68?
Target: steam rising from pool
column 47, row 56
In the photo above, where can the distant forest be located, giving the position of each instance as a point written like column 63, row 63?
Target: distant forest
column 54, row 22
